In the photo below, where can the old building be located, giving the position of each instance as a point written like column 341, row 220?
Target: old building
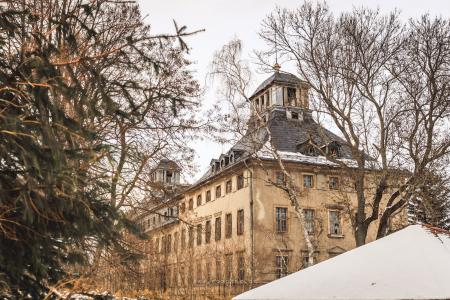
column 234, row 228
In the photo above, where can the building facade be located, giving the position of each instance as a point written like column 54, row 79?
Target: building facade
column 235, row 228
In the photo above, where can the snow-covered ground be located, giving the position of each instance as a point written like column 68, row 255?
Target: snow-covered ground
column 413, row 263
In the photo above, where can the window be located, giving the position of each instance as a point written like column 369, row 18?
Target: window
column 208, row 196
column 228, row 225
column 333, row 183
column 218, row 191
column 182, row 207
column 281, row 264
column 208, row 232
column 199, row 272
column 228, row 267
column 291, row 96
column 199, row 200
column 335, row 222
column 218, row 229
column 169, row 243
column 305, row 261
column 281, row 219
column 218, row 269
column 241, row 266
column 280, row 180
column 334, row 150
column 168, row 177
column 309, row 220
column 175, row 242
column 240, row 222
column 191, row 204
column 228, row 186
column 191, row 237
column 294, row 115
column 199, row 234
column 156, row 245
column 240, row 181
column 308, row 181
column 183, row 239
column 208, row 271
column 163, row 244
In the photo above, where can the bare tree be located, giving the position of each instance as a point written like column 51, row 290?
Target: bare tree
column 235, row 77
column 383, row 84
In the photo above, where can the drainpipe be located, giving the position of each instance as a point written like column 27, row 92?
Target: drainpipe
column 252, row 245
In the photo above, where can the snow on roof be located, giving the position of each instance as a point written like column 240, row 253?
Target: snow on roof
column 413, row 263
column 267, row 153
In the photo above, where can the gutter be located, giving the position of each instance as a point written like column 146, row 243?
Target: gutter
column 252, row 240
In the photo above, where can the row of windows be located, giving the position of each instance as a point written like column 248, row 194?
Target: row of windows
column 281, row 226
column 166, row 241
column 334, row 221
column 169, row 214
column 218, row 193
column 229, row 268
column 225, row 269
column 308, row 181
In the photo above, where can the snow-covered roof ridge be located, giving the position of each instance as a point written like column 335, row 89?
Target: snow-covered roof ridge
column 412, row 263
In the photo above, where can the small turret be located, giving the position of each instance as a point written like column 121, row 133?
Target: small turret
column 166, row 173
column 282, row 89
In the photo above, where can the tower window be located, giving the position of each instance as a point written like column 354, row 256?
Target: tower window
column 169, row 176
column 291, row 96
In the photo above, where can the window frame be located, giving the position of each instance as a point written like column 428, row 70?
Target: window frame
column 337, row 183
column 310, row 228
column 278, row 222
column 228, row 267
column 228, row 225
column 199, row 233
column 240, row 222
column 240, row 266
column 228, row 186
column 281, row 266
column 280, row 178
column 218, row 225
column 218, row 191
column 312, row 181
column 208, row 232
column 240, row 181
column 330, row 232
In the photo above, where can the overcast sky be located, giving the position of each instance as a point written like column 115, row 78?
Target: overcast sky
column 226, row 19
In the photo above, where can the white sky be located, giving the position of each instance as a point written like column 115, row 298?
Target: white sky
column 226, row 19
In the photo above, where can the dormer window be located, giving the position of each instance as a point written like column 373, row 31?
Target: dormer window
column 294, row 115
column 334, row 150
column 307, row 149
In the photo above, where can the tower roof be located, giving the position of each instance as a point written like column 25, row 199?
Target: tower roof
column 277, row 77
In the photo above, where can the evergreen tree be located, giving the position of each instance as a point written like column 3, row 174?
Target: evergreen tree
column 69, row 69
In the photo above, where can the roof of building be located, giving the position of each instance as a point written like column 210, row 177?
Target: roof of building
column 286, row 136
column 277, row 77
column 413, row 263
column 168, row 164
